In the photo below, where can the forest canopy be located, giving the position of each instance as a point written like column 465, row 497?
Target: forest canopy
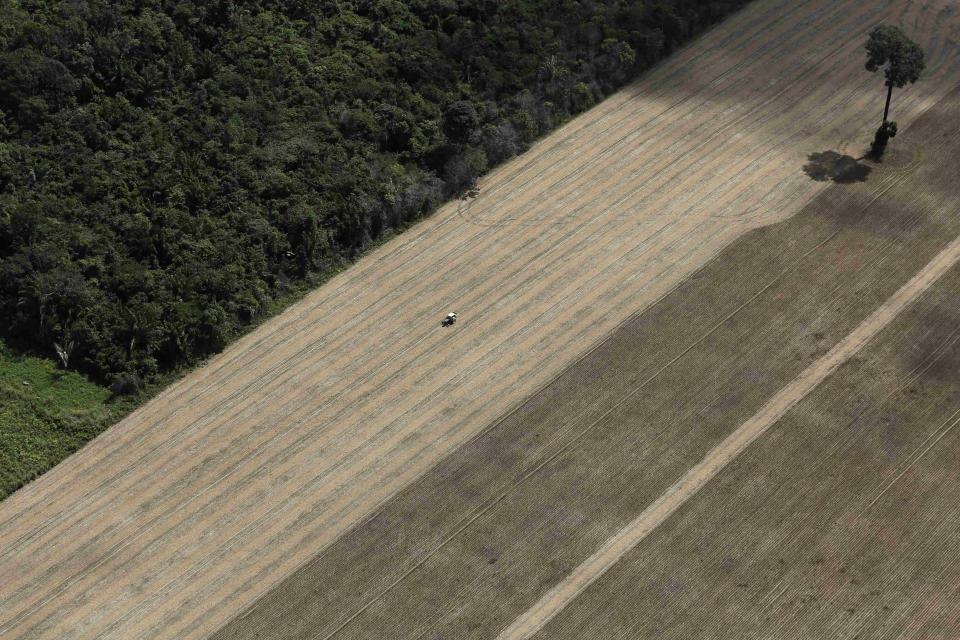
column 168, row 169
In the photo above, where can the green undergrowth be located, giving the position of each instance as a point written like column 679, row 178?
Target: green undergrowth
column 46, row 414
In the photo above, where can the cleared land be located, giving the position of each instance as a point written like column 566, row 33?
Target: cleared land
column 842, row 522
column 557, row 599
column 184, row 513
column 474, row 544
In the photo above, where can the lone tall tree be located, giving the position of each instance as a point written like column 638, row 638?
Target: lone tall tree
column 901, row 59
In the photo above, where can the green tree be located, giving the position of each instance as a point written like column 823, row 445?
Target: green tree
column 901, row 59
column 460, row 122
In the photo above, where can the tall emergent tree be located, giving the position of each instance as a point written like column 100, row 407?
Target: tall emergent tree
column 901, row 59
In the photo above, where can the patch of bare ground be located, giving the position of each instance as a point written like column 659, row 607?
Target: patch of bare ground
column 182, row 515
column 475, row 542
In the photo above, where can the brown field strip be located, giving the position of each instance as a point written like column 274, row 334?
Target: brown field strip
column 474, row 543
column 843, row 521
column 180, row 516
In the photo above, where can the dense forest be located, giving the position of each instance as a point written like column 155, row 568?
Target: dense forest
column 169, row 169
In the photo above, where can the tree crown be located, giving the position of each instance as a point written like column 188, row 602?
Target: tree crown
column 890, row 49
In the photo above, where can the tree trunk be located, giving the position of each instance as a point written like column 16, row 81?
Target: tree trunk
column 886, row 109
column 64, row 352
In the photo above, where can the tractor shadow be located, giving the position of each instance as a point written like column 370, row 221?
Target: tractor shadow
column 831, row 166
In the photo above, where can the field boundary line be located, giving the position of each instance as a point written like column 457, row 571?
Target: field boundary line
column 555, row 600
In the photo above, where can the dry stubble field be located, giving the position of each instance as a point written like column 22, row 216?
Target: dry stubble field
column 844, row 522
column 474, row 543
column 179, row 517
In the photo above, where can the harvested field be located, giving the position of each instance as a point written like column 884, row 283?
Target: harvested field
column 728, row 450
column 471, row 546
column 842, row 522
column 179, row 517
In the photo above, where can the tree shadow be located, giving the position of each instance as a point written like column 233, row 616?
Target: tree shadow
column 831, row 166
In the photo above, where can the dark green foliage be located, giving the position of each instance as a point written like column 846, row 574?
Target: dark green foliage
column 460, row 122
column 169, row 169
column 901, row 59
column 886, row 131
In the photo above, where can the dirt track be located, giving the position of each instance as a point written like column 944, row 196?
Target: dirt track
column 179, row 517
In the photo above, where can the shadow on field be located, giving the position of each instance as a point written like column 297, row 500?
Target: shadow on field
column 831, row 166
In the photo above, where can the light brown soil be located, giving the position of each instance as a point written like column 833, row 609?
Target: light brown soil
column 184, row 513
column 480, row 538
